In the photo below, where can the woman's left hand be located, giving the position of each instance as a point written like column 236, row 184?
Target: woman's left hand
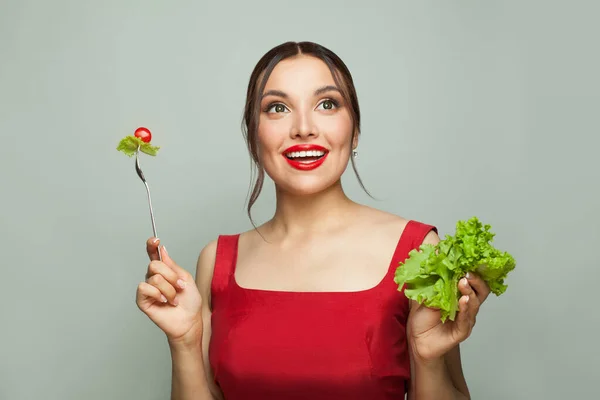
column 429, row 337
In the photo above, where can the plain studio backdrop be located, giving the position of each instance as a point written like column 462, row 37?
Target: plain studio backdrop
column 481, row 108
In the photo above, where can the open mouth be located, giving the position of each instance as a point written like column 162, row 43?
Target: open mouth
column 305, row 156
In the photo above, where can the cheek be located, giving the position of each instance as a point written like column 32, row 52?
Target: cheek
column 269, row 137
column 338, row 130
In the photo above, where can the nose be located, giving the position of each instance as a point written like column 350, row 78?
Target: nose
column 303, row 126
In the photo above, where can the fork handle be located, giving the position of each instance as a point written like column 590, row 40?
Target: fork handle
column 152, row 216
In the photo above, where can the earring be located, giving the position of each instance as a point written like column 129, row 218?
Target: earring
column 354, row 153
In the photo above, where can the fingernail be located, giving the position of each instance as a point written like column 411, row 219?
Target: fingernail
column 466, row 301
column 165, row 250
column 163, row 298
column 155, row 240
column 464, row 282
column 175, row 302
column 181, row 283
column 469, row 276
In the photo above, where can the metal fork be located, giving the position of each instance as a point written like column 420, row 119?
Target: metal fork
column 141, row 175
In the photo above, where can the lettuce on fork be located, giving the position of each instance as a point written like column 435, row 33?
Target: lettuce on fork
column 129, row 146
column 431, row 273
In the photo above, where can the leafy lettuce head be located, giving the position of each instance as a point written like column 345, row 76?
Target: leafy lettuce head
column 431, row 273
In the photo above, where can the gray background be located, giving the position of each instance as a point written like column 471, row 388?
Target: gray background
column 470, row 108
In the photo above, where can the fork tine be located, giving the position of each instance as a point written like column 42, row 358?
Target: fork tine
column 138, row 169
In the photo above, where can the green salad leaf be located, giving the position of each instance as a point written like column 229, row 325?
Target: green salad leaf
column 431, row 273
column 129, row 146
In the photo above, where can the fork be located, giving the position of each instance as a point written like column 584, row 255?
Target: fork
column 141, row 175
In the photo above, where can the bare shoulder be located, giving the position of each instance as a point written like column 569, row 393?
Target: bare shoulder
column 205, row 268
column 382, row 218
column 384, row 230
column 390, row 225
column 383, row 222
column 431, row 238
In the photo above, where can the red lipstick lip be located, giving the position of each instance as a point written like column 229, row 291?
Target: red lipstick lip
column 305, row 166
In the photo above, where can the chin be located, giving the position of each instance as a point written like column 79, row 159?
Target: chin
column 305, row 186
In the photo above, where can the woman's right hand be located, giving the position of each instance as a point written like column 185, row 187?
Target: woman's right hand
column 170, row 298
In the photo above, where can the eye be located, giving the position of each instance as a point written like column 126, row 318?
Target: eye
column 276, row 107
column 328, row 104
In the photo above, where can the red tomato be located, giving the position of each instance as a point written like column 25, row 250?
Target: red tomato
column 144, row 134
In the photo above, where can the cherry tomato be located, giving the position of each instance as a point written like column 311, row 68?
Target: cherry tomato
column 144, row 134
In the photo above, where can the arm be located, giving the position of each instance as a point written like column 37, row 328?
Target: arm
column 438, row 379
column 192, row 377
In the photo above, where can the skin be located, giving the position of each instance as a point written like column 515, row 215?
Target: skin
column 304, row 115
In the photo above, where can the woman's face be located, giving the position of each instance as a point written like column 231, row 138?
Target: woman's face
column 305, row 128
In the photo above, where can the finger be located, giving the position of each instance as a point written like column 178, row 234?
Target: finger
column 147, row 291
column 183, row 274
column 152, row 248
column 479, row 285
column 473, row 301
column 160, row 268
column 165, row 288
column 464, row 321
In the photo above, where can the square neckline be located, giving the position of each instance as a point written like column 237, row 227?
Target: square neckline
column 276, row 292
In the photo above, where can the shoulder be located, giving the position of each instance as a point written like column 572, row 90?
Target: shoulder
column 205, row 267
column 432, row 237
column 209, row 251
column 382, row 221
column 418, row 227
column 390, row 224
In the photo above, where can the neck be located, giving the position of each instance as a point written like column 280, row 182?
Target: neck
column 311, row 214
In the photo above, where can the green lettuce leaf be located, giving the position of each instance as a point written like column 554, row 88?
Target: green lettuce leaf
column 431, row 273
column 129, row 146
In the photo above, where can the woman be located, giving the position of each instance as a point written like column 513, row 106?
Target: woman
column 305, row 306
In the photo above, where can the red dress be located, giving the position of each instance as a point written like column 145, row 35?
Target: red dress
column 310, row 345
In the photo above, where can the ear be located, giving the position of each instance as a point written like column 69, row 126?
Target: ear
column 355, row 140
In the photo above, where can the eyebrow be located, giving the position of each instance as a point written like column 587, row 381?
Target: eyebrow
column 325, row 89
column 319, row 91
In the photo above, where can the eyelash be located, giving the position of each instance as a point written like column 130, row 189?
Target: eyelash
column 335, row 103
column 271, row 105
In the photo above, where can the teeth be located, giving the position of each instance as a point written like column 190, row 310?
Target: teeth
column 310, row 153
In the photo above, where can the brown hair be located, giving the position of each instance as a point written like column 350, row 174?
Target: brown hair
column 256, row 85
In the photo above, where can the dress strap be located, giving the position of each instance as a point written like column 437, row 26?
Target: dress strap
column 413, row 235
column 226, row 257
